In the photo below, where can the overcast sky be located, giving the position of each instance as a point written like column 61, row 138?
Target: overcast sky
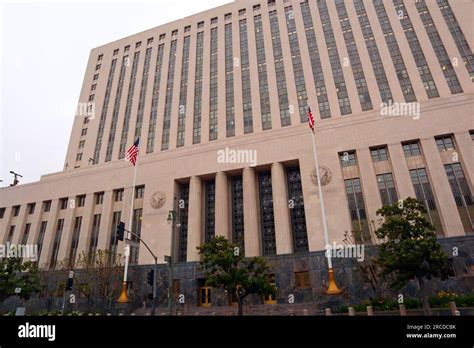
column 44, row 49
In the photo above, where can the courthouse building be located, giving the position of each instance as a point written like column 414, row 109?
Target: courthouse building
column 390, row 84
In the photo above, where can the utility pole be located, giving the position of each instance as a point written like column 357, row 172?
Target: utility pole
column 172, row 217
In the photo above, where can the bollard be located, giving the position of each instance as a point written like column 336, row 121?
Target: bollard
column 370, row 310
column 452, row 307
column 403, row 310
column 305, row 312
column 328, row 311
column 351, row 311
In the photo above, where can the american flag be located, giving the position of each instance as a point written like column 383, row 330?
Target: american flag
column 310, row 119
column 132, row 152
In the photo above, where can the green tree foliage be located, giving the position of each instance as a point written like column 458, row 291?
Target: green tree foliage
column 226, row 268
column 14, row 273
column 410, row 249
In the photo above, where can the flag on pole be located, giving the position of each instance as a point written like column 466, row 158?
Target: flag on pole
column 310, row 119
column 132, row 152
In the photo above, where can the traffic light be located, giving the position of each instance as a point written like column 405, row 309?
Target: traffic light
column 120, row 230
column 151, row 276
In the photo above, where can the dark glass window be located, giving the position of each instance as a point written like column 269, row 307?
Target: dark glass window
column 81, row 200
column 113, row 242
column 26, row 233
column 411, row 148
column 297, row 214
column 267, row 222
column 139, row 191
column 266, row 115
column 94, row 239
column 75, row 241
column 137, row 230
column 462, row 194
column 99, row 197
column 198, row 88
column 31, row 208
column 387, row 190
column 169, row 97
column 229, row 81
column 238, row 212
column 154, row 100
column 63, row 203
column 245, row 74
column 16, row 210
column 348, row 158
column 210, row 210
column 183, row 206
column 56, row 242
column 183, row 92
column 445, row 143
column 355, row 198
column 46, row 206
column 118, row 195
column 379, row 153
column 213, row 88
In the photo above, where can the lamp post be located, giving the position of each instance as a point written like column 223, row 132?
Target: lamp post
column 173, row 216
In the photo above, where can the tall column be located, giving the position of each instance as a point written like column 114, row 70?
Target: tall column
column 284, row 244
column 447, row 208
column 400, row 172
column 251, row 221
column 222, row 206
column 194, row 218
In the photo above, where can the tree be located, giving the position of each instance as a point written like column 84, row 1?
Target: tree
column 226, row 268
column 14, row 273
column 410, row 249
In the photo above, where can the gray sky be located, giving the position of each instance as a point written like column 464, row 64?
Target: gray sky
column 44, row 49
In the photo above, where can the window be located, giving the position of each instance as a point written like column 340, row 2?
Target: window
column 187, row 29
column 16, row 210
column 40, row 239
column 79, row 157
column 302, row 280
column 228, row 16
column 94, row 238
column 271, row 3
column 214, row 20
column 118, row 195
column 96, row 77
column 116, row 51
column 93, row 87
column 411, row 148
column 91, row 97
column 99, row 197
column 81, row 144
column 138, row 44
column 387, row 189
column 2, row 212
column 201, row 24
column 31, row 208
column 379, row 153
column 256, row 8
column 149, row 41
column 11, row 233
column 57, row 241
column 462, row 194
column 100, row 57
column 139, row 191
column 297, row 213
column 127, row 48
column 174, row 33
column 97, row 67
column 169, row 96
column 267, row 221
column 162, row 37
column 46, row 206
column 357, row 212
column 242, row 12
column 26, row 232
column 445, row 143
column 63, row 203
column 183, row 220
column 209, row 210
column 348, row 158
column 472, row 134
column 81, row 200
column 83, row 131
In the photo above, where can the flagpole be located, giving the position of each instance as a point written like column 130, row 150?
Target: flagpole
column 123, row 295
column 332, row 286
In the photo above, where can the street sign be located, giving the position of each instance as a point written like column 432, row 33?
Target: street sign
column 71, row 274
column 132, row 243
column 17, row 290
column 20, row 311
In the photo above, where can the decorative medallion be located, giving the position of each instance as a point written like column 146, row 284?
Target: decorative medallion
column 158, row 200
column 325, row 176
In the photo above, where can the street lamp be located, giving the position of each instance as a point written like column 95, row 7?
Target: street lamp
column 15, row 178
column 173, row 216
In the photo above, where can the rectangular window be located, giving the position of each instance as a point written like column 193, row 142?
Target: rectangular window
column 187, row 29
column 387, row 190
column 360, row 226
column 99, row 197
column 127, row 48
column 84, row 131
column 116, row 217
column 267, row 222
column 40, row 239
column 214, row 20
column 237, row 208
column 97, row 67
column 411, row 148
column 302, row 280
column 139, row 191
column 93, row 87
column 31, row 208
column 174, row 33
column 348, row 158
column 2, row 212
column 81, row 200
column 379, row 153
column 63, row 203
column 118, row 195
column 81, row 144
column 94, row 235
column 183, row 220
column 200, row 25
column 138, row 44
column 136, row 229
column 445, row 143
column 46, row 206
column 297, row 213
column 16, row 210
column 56, row 242
column 228, row 16
column 424, row 194
column 162, row 37
column 100, row 57
column 116, row 51
column 462, row 194
column 149, row 41
column 242, row 12
column 96, row 77
column 26, row 232
column 210, row 210
column 11, row 233
column 79, row 156
column 75, row 241
column 169, row 97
